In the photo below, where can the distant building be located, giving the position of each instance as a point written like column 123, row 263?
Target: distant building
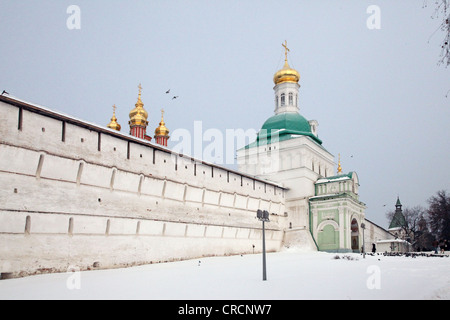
column 398, row 222
column 399, row 228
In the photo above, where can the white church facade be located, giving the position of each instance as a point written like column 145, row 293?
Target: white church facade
column 78, row 194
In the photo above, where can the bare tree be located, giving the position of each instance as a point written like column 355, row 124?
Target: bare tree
column 439, row 215
column 423, row 238
column 442, row 13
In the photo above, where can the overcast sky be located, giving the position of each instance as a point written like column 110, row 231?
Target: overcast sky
column 378, row 94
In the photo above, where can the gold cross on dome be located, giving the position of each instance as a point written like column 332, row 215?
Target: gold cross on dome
column 286, row 49
column 162, row 112
column 140, row 88
column 114, row 108
column 339, row 164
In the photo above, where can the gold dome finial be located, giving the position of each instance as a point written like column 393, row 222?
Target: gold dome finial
column 138, row 116
column 339, row 164
column 114, row 124
column 286, row 74
column 162, row 130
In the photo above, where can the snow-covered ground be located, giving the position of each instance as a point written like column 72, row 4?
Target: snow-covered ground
column 290, row 275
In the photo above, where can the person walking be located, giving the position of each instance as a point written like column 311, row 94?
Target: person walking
column 442, row 246
column 435, row 245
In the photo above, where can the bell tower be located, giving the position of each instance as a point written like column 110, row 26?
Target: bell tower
column 286, row 87
column 162, row 133
column 138, row 119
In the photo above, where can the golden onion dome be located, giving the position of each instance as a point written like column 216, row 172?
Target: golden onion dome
column 138, row 116
column 114, row 124
column 286, row 74
column 162, row 130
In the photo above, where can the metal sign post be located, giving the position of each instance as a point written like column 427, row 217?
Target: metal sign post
column 264, row 217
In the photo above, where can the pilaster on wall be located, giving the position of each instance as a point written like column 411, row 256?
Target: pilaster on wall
column 39, row 245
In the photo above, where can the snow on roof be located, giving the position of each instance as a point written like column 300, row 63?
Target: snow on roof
column 341, row 177
column 65, row 115
column 326, row 195
column 324, row 180
column 393, row 240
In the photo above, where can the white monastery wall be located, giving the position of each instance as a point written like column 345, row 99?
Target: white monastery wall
column 75, row 194
column 375, row 233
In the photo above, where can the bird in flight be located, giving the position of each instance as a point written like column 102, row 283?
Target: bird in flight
column 174, row 97
column 4, row 91
column 168, row 91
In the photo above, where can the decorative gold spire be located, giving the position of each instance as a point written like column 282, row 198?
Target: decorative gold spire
column 162, row 130
column 138, row 116
column 286, row 74
column 113, row 124
column 339, row 165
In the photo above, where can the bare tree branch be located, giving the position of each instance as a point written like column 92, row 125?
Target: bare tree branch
column 442, row 12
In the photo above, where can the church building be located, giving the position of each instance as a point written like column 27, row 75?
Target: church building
column 323, row 208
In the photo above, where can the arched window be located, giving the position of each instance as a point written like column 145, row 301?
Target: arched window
column 291, row 99
column 276, row 101
column 283, row 99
